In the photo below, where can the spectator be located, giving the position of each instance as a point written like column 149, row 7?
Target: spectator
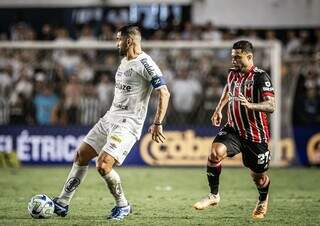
column 211, row 33
column 69, row 60
column 44, row 104
column 107, row 33
column 21, row 111
column 72, row 94
column 186, row 93
column 105, row 89
column 293, row 44
column 4, row 110
column 89, row 107
column 46, row 33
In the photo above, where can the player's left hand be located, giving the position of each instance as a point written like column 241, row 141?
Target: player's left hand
column 157, row 133
column 244, row 101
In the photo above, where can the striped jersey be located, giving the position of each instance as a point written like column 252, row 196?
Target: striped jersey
column 254, row 85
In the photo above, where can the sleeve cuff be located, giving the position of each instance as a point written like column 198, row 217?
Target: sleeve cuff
column 267, row 94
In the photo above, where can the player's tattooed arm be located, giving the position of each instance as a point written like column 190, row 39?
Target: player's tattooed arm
column 156, row 128
column 267, row 105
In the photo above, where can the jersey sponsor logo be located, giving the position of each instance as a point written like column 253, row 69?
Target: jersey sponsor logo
column 119, row 73
column 123, row 87
column 258, row 70
column 267, row 89
column 148, row 67
column 116, row 138
column 232, row 97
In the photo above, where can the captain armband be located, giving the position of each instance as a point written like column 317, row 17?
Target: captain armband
column 157, row 81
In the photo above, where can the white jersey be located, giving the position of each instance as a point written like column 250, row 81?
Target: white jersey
column 134, row 81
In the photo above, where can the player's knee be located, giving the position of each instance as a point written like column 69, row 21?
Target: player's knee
column 218, row 153
column 258, row 179
column 80, row 159
column 84, row 154
column 104, row 164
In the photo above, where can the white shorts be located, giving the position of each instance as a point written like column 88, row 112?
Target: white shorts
column 112, row 138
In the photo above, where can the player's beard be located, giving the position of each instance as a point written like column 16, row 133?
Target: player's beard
column 237, row 67
column 123, row 50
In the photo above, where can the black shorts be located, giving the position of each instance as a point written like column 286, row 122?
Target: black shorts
column 255, row 156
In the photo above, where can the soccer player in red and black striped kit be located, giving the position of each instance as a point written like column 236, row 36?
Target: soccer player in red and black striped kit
column 250, row 97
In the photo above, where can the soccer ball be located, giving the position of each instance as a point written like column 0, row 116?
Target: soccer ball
column 41, row 206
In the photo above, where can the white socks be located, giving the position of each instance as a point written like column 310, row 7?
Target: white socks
column 113, row 182
column 75, row 177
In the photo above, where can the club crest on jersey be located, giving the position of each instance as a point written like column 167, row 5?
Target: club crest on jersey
column 268, row 84
column 128, row 72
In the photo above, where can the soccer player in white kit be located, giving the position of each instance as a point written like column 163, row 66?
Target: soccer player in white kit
column 114, row 135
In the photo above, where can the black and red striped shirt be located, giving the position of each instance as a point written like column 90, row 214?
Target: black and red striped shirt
column 254, row 85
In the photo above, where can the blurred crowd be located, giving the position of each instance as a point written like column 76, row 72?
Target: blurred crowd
column 75, row 87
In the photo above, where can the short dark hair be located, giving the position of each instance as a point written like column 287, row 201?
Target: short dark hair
column 129, row 30
column 244, row 45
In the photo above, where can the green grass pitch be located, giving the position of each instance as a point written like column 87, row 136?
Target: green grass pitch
column 164, row 196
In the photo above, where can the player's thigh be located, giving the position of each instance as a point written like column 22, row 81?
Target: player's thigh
column 256, row 156
column 225, row 144
column 97, row 136
column 119, row 143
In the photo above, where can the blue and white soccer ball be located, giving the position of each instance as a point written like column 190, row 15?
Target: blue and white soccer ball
column 41, row 206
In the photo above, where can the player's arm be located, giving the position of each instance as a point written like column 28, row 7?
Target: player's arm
column 163, row 100
column 217, row 114
column 266, row 91
column 223, row 99
column 152, row 73
column 267, row 105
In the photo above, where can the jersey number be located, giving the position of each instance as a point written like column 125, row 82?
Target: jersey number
column 264, row 158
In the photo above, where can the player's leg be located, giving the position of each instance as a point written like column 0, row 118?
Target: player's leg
column 256, row 156
column 225, row 144
column 112, row 179
column 120, row 141
column 77, row 174
column 217, row 154
column 104, row 166
column 88, row 149
column 262, row 182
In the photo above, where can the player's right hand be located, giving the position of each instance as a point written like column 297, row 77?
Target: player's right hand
column 157, row 133
column 216, row 118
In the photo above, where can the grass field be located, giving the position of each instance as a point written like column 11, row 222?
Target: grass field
column 164, row 196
